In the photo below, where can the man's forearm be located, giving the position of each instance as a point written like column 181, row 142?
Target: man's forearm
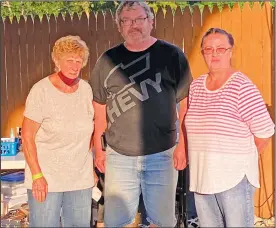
column 100, row 125
column 182, row 129
column 99, row 130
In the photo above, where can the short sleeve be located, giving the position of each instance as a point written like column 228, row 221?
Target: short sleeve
column 89, row 89
column 191, row 93
column 183, row 76
column 254, row 112
column 96, row 81
column 34, row 104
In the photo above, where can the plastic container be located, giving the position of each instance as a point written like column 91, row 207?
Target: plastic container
column 12, row 189
column 13, row 177
column 9, row 148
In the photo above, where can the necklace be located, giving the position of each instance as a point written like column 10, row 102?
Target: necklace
column 68, row 81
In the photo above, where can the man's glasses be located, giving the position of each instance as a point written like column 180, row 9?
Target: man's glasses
column 137, row 21
column 210, row 50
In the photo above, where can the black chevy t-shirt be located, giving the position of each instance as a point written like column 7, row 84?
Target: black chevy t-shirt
column 140, row 91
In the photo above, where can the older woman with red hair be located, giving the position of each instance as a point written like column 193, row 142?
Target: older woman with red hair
column 56, row 133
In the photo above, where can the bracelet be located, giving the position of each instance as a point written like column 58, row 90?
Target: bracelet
column 37, row 176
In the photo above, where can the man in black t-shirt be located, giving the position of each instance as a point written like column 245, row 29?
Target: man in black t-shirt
column 136, row 86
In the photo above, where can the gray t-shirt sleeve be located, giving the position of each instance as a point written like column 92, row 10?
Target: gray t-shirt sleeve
column 96, row 81
column 183, row 76
column 34, row 104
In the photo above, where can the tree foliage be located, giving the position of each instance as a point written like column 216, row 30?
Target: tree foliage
column 25, row 8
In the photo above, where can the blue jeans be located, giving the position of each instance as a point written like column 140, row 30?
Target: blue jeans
column 75, row 205
column 231, row 208
column 126, row 177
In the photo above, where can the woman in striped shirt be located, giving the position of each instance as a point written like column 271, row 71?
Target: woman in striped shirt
column 227, row 125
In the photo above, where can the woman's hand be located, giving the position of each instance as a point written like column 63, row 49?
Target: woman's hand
column 40, row 189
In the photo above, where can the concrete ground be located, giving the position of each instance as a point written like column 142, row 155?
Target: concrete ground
column 260, row 222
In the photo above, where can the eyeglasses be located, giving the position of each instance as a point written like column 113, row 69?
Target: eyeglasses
column 137, row 21
column 210, row 50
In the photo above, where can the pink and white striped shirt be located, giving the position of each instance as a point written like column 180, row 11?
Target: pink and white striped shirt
column 221, row 126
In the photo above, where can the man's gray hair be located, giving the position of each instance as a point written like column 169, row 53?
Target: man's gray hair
column 130, row 4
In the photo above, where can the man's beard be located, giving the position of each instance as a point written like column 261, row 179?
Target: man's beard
column 135, row 34
column 134, row 31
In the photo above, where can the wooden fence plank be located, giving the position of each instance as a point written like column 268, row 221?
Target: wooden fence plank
column 3, row 76
column 245, row 45
column 178, row 29
column 206, row 20
column 267, row 51
column 75, row 25
column 15, row 75
column 101, row 41
column 187, row 30
column 93, row 39
column 196, row 57
column 256, row 46
column 168, row 26
column 160, row 24
column 30, row 43
column 68, row 28
column 216, row 17
column 226, row 22
column 46, row 54
column 84, row 36
column 104, row 38
column 237, row 35
column 23, row 57
column 61, row 27
column 52, row 39
column 9, row 71
column 109, row 29
column 196, row 20
column 38, row 73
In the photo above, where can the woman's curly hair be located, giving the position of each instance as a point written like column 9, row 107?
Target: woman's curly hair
column 70, row 45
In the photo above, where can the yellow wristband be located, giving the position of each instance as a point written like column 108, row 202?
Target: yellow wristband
column 37, row 176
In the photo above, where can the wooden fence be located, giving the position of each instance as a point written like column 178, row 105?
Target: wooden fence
column 27, row 45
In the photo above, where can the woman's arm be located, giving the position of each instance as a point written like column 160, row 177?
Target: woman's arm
column 40, row 185
column 29, row 130
column 261, row 144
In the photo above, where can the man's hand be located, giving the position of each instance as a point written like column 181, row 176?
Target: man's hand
column 180, row 158
column 100, row 161
column 40, row 189
column 96, row 178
